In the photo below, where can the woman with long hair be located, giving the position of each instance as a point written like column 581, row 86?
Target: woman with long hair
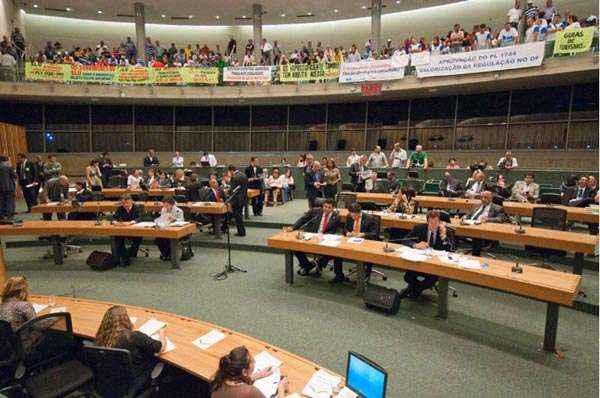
column 116, row 331
column 332, row 178
column 15, row 307
column 93, row 175
column 234, row 378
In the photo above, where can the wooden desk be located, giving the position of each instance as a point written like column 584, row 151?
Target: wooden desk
column 57, row 229
column 252, row 193
column 118, row 192
column 107, row 206
column 554, row 288
column 577, row 214
column 574, row 242
column 87, row 315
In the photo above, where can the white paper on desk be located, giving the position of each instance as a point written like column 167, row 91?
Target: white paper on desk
column 294, row 395
column 133, row 319
column 469, row 222
column 268, row 385
column 58, row 309
column 355, row 240
column 469, row 263
column 321, row 384
column 179, row 223
column 346, row 393
column 38, row 307
column 170, row 346
column 264, row 360
column 209, row 339
column 152, row 326
column 413, row 254
column 144, row 224
column 51, row 203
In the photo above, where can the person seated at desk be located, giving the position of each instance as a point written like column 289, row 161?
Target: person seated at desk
column 450, row 187
column 435, row 235
column 358, row 225
column 526, row 190
column 235, row 378
column 402, row 202
column 15, row 307
column 321, row 220
column 127, row 213
column 168, row 214
column 151, row 160
column 178, row 180
column 392, row 184
column 163, row 180
column 83, row 194
column 116, row 331
column 56, row 189
column 151, row 180
column 593, row 185
column 134, row 180
column 273, row 187
column 486, row 212
column 192, row 189
column 500, row 188
column 580, row 195
column 475, row 185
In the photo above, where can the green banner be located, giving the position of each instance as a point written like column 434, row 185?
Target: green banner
column 200, row 75
column 308, row 72
column 91, row 74
column 573, row 40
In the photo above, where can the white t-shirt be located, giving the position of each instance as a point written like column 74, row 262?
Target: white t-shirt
column 574, row 25
column 7, row 60
column 398, row 158
column 377, row 159
column 267, row 47
column 352, row 159
column 177, row 161
column 133, row 182
column 210, row 158
column 482, row 40
column 514, row 15
column 508, row 37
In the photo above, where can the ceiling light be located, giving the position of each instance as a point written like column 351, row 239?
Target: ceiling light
column 398, row 1
column 243, row 16
column 191, row 16
column 163, row 16
column 68, row 8
column 217, row 17
column 364, row 7
column 336, row 10
column 99, row 11
column 309, row 13
column 282, row 15
column 35, row 6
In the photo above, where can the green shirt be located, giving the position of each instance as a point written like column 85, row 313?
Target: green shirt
column 417, row 159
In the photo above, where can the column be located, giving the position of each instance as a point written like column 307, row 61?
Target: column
column 376, row 24
column 140, row 30
column 257, row 11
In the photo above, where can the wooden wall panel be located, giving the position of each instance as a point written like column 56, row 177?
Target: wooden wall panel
column 12, row 142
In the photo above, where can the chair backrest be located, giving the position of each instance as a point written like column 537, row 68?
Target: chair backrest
column 345, row 199
column 204, row 194
column 10, row 352
column 112, row 369
column 369, row 206
column 180, row 198
column 445, row 216
column 377, row 219
column 46, row 339
column 551, row 198
column 347, row 186
column 497, row 200
column 549, row 217
column 416, row 185
column 381, row 186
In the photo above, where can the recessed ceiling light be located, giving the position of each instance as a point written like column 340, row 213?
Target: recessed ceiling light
column 243, row 16
column 99, row 11
column 309, row 13
column 35, row 6
column 217, row 17
column 336, row 10
column 282, row 15
column 398, row 1
column 163, row 16
column 68, row 8
column 363, row 7
column 191, row 16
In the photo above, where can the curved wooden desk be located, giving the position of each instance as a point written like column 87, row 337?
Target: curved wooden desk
column 182, row 331
column 111, row 206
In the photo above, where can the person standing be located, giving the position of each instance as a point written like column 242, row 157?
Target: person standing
column 398, row 156
column 93, row 175
column 106, row 167
column 56, row 189
column 254, row 175
column 177, row 160
column 27, row 174
column 7, row 188
column 508, row 162
column 52, row 168
column 352, row 158
column 377, row 159
column 239, row 188
column 151, row 160
column 357, row 174
column 313, row 181
column 418, row 158
column 332, row 177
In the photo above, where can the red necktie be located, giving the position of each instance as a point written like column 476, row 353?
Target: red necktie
column 325, row 223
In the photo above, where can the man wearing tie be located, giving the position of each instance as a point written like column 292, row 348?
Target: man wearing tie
column 313, row 179
column 238, row 179
column 433, row 235
column 475, row 185
column 358, row 225
column 317, row 220
column 254, row 174
column 216, row 195
column 27, row 173
column 582, row 193
column 127, row 213
column 151, row 160
column 357, row 171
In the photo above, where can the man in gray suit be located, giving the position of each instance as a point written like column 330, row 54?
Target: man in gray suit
column 7, row 188
column 486, row 212
column 525, row 190
column 56, row 189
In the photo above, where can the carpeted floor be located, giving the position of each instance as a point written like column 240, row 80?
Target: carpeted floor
column 488, row 346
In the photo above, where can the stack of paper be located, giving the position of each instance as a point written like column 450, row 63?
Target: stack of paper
column 321, row 384
column 413, row 254
column 331, row 240
column 179, row 223
column 170, row 346
column 268, row 385
column 38, row 307
column 469, row 263
column 151, row 327
column 144, row 224
column 264, row 360
column 209, row 339
column 355, row 240
column 58, row 309
column 346, row 393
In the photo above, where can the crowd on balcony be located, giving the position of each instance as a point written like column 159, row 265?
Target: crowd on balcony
column 524, row 24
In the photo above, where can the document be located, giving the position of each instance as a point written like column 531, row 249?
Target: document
column 133, row 319
column 152, row 327
column 321, row 384
column 355, row 240
column 412, row 254
column 346, row 393
column 469, row 263
column 144, row 224
column 179, row 223
column 268, row 385
column 170, row 346
column 38, row 307
column 264, row 360
column 209, row 339
column 58, row 309
column 52, row 204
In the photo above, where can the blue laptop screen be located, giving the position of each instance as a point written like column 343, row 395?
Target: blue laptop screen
column 364, row 379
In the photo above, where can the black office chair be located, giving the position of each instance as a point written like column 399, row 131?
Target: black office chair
column 49, row 357
column 347, row 186
column 381, row 186
column 10, row 354
column 551, row 198
column 369, row 206
column 344, row 199
column 114, row 375
column 373, row 271
column 445, row 216
column 551, row 218
column 180, row 198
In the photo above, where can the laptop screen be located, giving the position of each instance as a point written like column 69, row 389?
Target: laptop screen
column 364, row 377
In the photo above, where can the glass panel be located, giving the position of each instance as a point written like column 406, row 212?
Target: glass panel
column 112, row 115
column 585, row 102
column 67, row 142
column 154, row 137
column 297, row 141
column 538, row 135
column 269, row 118
column 431, row 138
column 583, row 135
column 306, row 117
column 112, row 141
column 154, row 116
column 268, row 141
column 21, row 114
column 548, row 103
column 197, row 142
column 491, row 136
column 345, row 140
column 232, row 141
column 346, row 117
column 193, row 118
column 385, row 137
column 483, row 108
column 232, row 118
column 67, row 118
column 35, row 141
column 430, row 112
column 390, row 114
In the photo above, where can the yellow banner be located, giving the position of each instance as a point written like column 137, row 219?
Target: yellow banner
column 47, row 72
column 200, row 75
column 308, row 72
column 573, row 40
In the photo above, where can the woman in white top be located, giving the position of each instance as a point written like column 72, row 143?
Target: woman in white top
column 288, row 185
column 133, row 181
column 398, row 156
column 273, row 185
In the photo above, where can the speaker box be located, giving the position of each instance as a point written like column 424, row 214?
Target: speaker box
column 101, row 261
column 382, row 299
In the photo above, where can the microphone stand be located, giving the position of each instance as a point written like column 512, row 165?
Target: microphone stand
column 229, row 268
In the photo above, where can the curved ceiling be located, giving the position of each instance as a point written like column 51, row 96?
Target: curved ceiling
column 222, row 12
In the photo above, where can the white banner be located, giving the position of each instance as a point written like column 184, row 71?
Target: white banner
column 247, row 74
column 369, row 71
column 503, row 58
column 420, row 58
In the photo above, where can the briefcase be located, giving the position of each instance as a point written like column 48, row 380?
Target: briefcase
column 101, row 261
column 382, row 299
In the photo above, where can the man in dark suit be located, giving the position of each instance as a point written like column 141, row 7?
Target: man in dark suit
column 581, row 195
column 488, row 211
column 216, row 194
column 313, row 180
column 7, row 188
column 27, row 173
column 106, row 167
column 254, row 174
column 238, row 179
column 317, row 220
column 151, row 160
column 433, row 235
column 56, row 189
column 356, row 173
column 360, row 225
column 450, row 187
column 127, row 213
column 83, row 194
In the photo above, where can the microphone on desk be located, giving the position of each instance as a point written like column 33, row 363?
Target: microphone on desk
column 388, row 249
column 519, row 228
column 517, row 269
column 98, row 221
